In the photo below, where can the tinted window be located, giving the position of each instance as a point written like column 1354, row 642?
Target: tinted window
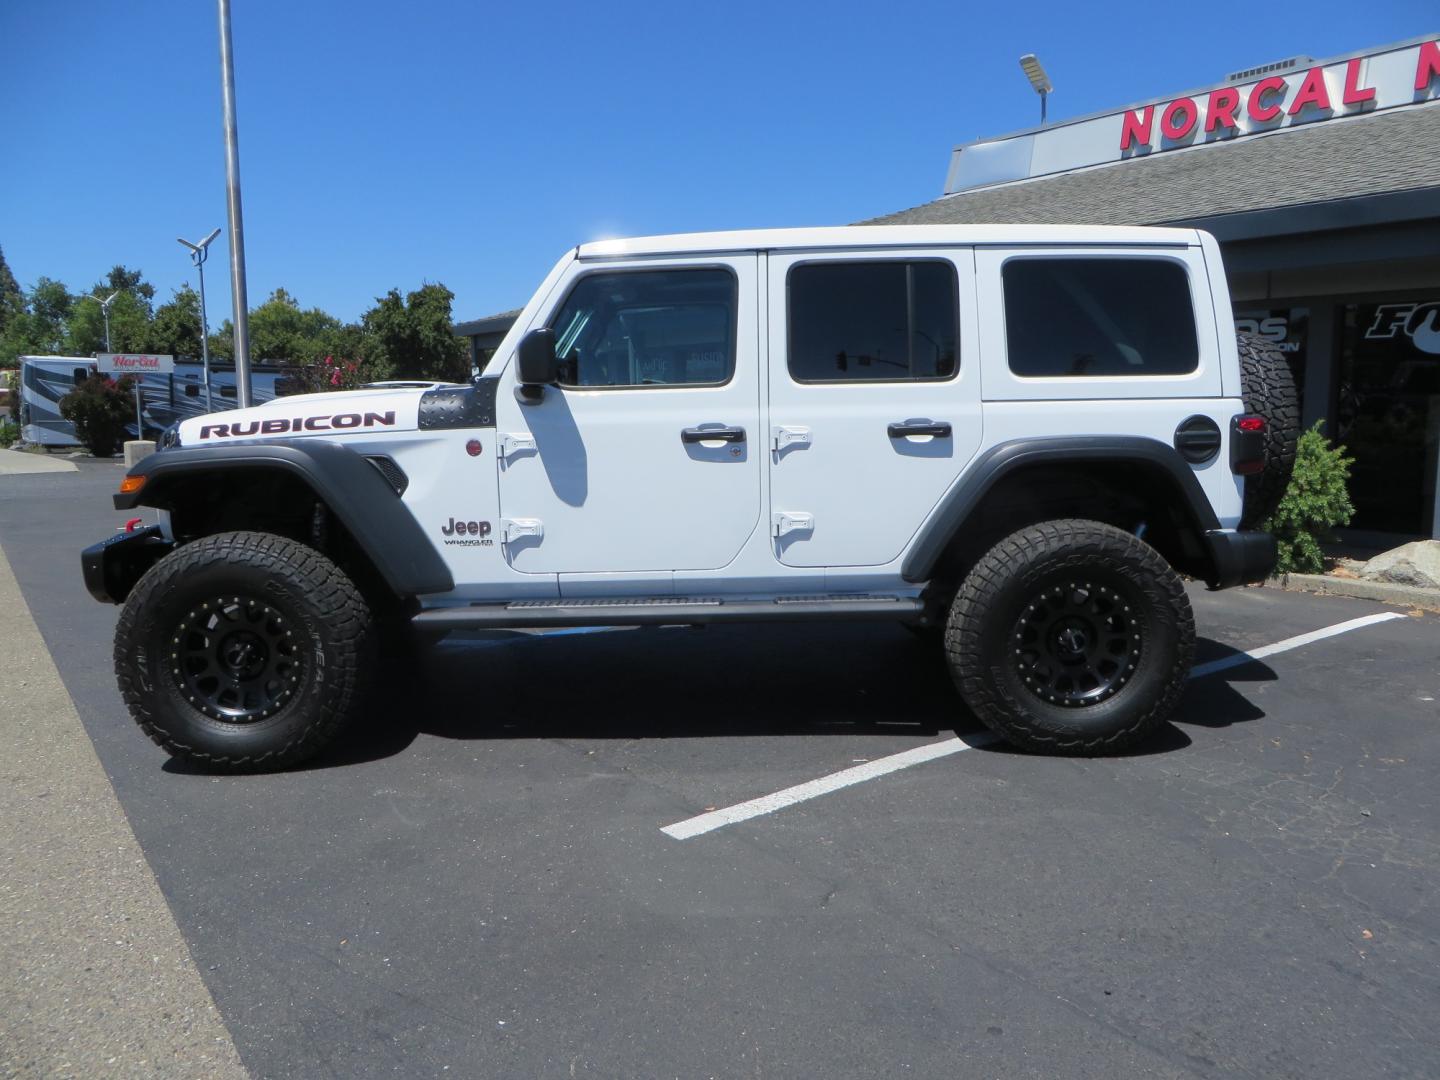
column 872, row 321
column 1099, row 317
column 648, row 328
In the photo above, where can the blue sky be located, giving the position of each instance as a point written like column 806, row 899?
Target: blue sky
column 386, row 144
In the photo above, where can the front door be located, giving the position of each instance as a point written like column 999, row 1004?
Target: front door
column 874, row 399
column 646, row 457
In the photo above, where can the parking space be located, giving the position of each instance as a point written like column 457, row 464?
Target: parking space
column 479, row 884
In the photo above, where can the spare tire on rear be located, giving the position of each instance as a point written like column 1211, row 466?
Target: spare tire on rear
column 1268, row 388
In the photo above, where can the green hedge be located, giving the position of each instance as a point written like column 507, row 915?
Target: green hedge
column 1317, row 500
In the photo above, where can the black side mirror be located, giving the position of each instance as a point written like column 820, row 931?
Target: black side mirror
column 535, row 363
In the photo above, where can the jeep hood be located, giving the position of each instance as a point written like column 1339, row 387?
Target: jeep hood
column 307, row 416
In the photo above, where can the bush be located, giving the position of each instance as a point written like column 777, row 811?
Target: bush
column 99, row 407
column 12, row 383
column 1316, row 501
column 9, row 434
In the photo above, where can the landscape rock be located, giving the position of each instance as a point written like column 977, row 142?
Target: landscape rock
column 1415, row 564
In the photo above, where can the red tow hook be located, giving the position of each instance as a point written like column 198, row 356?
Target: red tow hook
column 133, row 524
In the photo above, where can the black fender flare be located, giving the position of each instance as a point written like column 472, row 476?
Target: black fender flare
column 351, row 487
column 1008, row 457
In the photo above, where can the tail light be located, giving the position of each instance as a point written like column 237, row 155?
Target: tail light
column 1247, row 444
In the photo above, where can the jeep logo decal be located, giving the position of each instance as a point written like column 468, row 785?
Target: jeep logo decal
column 463, row 530
column 337, row 422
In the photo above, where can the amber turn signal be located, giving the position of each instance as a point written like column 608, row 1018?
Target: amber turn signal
column 131, row 483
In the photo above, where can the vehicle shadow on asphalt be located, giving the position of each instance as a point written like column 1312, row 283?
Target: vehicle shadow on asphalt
column 686, row 682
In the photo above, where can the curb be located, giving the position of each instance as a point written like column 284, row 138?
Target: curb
column 20, row 463
column 1385, row 592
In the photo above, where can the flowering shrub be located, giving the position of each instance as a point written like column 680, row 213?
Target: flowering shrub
column 330, row 373
column 99, row 407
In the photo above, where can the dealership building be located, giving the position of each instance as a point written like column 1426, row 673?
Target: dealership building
column 1321, row 180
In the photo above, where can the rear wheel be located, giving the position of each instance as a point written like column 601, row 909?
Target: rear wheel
column 1071, row 637
column 243, row 651
column 1268, row 388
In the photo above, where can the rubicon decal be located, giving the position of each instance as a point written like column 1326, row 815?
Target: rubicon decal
column 337, row 422
column 463, row 531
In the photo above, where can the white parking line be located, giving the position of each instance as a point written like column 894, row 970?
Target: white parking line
column 1291, row 643
column 768, row 804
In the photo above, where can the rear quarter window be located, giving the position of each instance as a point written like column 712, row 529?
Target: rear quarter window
column 1069, row 317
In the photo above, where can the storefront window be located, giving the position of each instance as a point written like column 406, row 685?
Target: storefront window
column 1287, row 329
column 1388, row 411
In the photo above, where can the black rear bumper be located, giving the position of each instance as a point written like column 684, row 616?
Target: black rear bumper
column 1240, row 558
column 113, row 566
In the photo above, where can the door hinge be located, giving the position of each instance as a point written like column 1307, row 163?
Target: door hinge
column 783, row 522
column 511, row 443
column 512, row 529
column 783, row 435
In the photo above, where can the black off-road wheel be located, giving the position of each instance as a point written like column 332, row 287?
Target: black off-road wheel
column 1071, row 637
column 1268, row 388
column 243, row 651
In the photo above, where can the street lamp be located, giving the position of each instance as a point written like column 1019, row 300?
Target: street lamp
column 105, row 311
column 1035, row 72
column 198, row 252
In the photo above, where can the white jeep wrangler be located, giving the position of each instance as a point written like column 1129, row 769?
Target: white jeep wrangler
column 1020, row 435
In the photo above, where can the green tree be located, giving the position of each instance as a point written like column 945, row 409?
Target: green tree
column 129, row 323
column 412, row 337
column 281, row 330
column 222, row 342
column 123, row 279
column 38, row 327
column 12, row 300
column 176, row 326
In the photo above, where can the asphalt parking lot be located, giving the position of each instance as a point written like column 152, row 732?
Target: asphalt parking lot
column 479, row 884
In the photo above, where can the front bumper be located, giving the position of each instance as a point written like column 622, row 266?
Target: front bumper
column 113, row 566
column 1240, row 558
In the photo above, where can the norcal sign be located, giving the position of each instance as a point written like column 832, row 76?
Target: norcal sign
column 1266, row 99
column 1318, row 93
column 129, row 363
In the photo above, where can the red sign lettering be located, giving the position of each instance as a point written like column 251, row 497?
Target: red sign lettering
column 1313, row 91
column 1355, row 94
column 1429, row 65
column 1137, row 128
column 1220, row 109
column 1172, row 128
column 1259, row 111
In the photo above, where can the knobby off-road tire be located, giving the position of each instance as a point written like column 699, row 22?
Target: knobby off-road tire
column 1071, row 637
column 1268, row 388
column 243, row 651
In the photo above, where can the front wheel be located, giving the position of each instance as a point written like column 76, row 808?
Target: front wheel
column 243, row 651
column 1071, row 637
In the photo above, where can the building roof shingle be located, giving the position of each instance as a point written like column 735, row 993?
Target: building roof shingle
column 1383, row 153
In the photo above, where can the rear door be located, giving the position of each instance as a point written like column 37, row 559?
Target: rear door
column 874, row 399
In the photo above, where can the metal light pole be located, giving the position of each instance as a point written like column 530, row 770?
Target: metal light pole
column 1038, row 79
column 240, row 303
column 105, row 311
column 198, row 253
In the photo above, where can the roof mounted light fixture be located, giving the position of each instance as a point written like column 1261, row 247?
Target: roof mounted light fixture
column 1035, row 72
